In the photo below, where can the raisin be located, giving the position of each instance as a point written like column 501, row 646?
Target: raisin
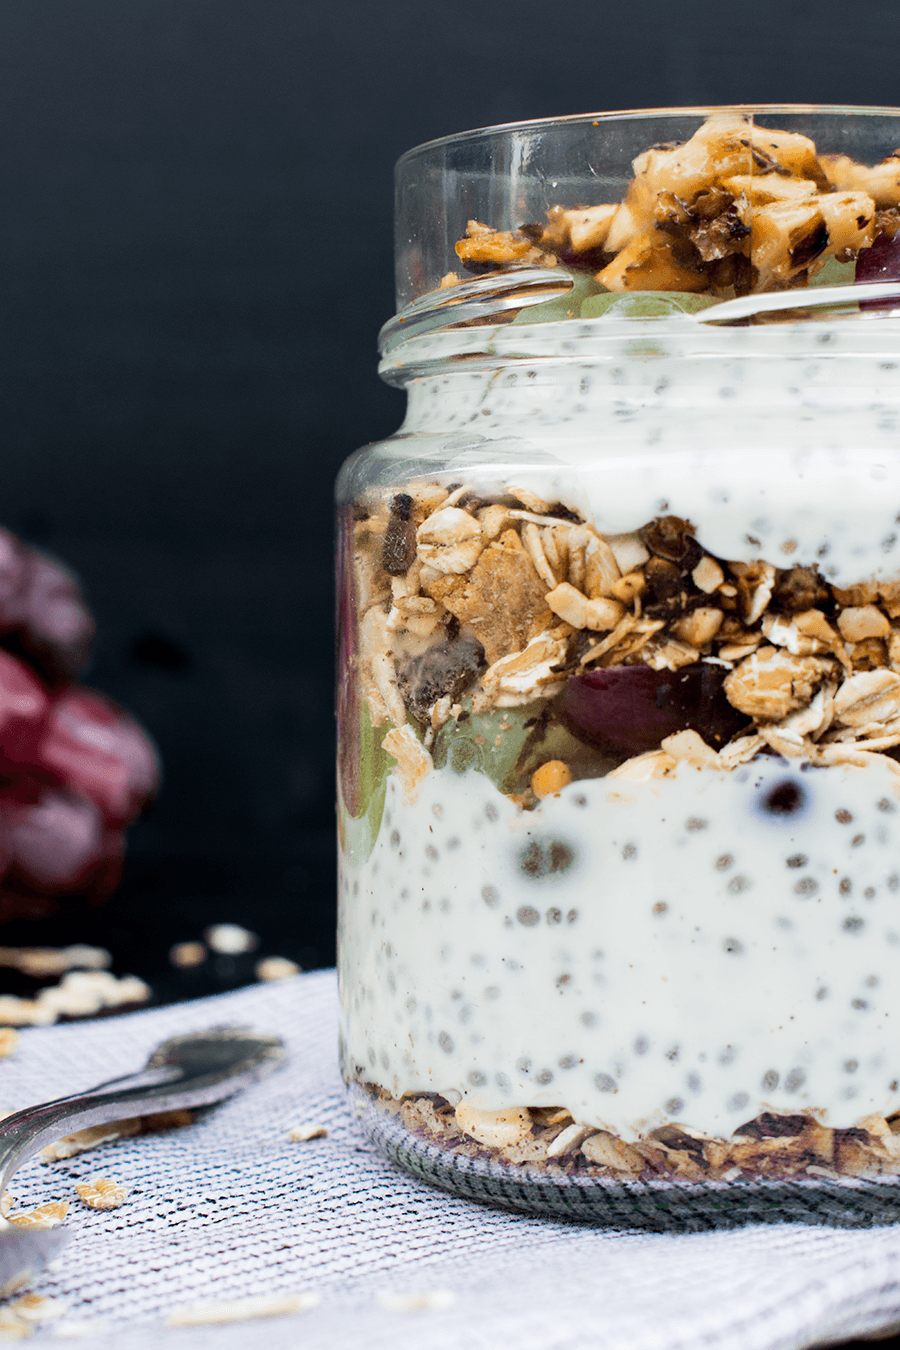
column 399, row 548
column 672, row 538
column 769, row 1126
column 800, row 588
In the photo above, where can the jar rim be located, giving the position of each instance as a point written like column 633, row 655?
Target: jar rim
column 638, row 114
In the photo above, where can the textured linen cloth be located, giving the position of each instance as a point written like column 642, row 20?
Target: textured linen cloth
column 229, row 1208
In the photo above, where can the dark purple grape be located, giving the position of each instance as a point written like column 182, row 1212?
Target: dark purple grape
column 634, row 708
column 96, row 750
column 58, row 628
column 55, row 842
column 881, row 262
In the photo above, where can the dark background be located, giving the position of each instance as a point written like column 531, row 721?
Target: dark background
column 195, row 259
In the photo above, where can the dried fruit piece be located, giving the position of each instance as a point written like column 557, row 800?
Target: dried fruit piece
column 399, row 548
column 448, row 668
column 634, row 708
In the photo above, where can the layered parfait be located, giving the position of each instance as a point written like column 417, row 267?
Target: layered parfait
column 620, row 737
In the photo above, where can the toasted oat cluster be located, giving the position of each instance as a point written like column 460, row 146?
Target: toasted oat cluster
column 735, row 210
column 512, row 625
column 548, row 1138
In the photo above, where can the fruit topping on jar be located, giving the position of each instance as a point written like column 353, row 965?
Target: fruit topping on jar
column 737, row 209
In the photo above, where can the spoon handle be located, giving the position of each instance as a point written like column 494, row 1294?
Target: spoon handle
column 188, row 1071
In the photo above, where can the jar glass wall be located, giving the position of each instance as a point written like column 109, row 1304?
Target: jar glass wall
column 619, row 688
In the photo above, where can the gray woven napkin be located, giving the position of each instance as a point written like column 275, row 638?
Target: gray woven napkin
column 230, row 1208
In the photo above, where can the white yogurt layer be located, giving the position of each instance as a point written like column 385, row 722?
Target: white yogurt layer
column 775, row 442
column 636, row 953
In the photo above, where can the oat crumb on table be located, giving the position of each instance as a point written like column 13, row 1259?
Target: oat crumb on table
column 242, row 1309
column 301, row 1134
column 428, row 1300
column 101, row 1193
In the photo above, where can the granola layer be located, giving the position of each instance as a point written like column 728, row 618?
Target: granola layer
column 547, row 1138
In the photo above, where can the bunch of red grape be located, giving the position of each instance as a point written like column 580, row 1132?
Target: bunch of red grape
column 75, row 769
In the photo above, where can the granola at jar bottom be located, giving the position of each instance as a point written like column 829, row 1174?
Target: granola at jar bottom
column 619, row 717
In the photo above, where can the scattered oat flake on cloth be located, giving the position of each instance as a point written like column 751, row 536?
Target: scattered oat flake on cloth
column 101, row 1193
column 13, row 1328
column 81, row 1329
column 39, row 1308
column 276, row 968
column 242, row 1309
column 9, row 1039
column 300, row 1134
column 92, row 1137
column 49, row 1215
column 429, row 1300
column 230, row 939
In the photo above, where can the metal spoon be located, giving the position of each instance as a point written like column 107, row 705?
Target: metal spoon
column 194, row 1070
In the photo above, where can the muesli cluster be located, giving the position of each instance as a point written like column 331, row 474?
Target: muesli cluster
column 737, row 209
column 548, row 1139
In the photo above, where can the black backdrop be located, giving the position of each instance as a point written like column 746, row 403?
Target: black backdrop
column 195, row 258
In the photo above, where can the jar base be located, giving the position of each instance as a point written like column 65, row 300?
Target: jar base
column 650, row 1205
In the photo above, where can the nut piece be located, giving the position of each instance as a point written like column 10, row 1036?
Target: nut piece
column 450, row 540
column 599, row 615
column 550, row 779
column 862, row 621
column 608, row 1151
column 700, row 626
column 494, row 1129
column 772, row 683
column 707, row 575
column 101, row 1193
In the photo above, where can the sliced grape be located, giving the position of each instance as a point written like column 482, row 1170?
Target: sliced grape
column 55, row 843
column 634, row 708
column 508, row 744
column 881, row 262
column 97, row 750
column 24, row 710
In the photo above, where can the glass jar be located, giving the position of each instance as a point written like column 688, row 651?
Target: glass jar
column 619, row 690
